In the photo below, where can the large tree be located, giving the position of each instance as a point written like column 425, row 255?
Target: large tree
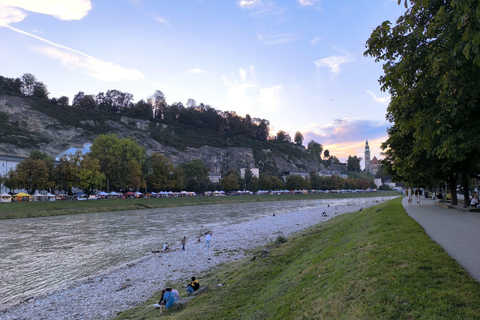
column 353, row 163
column 90, row 176
column 433, row 81
column 315, row 149
column 114, row 155
column 34, row 175
column 160, row 176
column 298, row 138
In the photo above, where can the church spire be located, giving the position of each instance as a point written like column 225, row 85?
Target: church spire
column 367, row 156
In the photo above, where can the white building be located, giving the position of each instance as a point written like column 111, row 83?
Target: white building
column 72, row 151
column 255, row 172
column 8, row 163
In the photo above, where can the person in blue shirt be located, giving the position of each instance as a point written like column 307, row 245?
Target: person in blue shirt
column 169, row 298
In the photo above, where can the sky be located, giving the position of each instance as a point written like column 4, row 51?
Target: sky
column 297, row 63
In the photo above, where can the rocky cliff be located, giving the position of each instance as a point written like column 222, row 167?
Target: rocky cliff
column 26, row 125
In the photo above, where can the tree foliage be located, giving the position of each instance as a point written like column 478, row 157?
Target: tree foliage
column 114, row 157
column 353, row 163
column 315, row 149
column 298, row 138
column 431, row 65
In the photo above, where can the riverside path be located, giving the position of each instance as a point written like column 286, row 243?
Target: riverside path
column 458, row 232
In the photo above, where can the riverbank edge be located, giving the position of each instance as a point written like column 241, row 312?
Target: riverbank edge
column 57, row 208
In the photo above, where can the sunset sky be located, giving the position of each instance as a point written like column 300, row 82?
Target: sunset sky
column 297, row 63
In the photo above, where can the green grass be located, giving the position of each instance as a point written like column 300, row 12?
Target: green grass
column 364, row 265
column 15, row 210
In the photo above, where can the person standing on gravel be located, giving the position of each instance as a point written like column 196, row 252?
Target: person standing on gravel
column 183, row 242
column 207, row 239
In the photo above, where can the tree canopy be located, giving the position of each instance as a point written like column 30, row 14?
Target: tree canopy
column 432, row 77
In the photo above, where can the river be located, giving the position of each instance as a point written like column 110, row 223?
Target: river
column 41, row 254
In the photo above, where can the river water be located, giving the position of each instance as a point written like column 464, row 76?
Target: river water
column 40, row 254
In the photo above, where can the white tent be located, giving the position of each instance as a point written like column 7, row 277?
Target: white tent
column 38, row 197
column 50, row 197
column 5, row 197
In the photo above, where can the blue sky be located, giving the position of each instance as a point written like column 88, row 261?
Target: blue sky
column 297, row 63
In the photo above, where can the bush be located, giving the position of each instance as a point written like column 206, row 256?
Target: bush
column 280, row 239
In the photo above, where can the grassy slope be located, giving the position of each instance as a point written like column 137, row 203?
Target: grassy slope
column 43, row 209
column 365, row 265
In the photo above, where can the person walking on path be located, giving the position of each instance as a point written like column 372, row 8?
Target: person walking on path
column 409, row 195
column 184, row 240
column 418, row 194
column 207, row 238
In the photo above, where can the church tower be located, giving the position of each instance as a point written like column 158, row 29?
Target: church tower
column 367, row 157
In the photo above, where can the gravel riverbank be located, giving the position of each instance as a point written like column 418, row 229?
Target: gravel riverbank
column 104, row 295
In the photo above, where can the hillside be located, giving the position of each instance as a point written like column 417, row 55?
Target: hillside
column 28, row 124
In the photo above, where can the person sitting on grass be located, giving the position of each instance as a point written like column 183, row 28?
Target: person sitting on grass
column 169, row 298
column 193, row 286
column 161, row 303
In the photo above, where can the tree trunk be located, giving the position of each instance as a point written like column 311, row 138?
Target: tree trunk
column 466, row 190
column 452, row 181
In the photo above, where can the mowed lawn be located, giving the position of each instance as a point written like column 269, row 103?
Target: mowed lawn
column 373, row 264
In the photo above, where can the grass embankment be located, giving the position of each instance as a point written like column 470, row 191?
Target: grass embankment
column 363, row 265
column 54, row 208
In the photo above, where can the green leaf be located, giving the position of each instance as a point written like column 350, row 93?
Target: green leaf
column 466, row 51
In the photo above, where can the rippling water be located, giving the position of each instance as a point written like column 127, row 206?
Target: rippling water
column 41, row 254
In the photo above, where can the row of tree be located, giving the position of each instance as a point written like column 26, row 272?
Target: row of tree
column 121, row 164
column 431, row 63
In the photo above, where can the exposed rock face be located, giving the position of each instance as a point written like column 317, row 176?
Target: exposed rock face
column 51, row 136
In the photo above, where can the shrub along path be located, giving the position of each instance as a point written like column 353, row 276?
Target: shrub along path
column 374, row 264
column 458, row 232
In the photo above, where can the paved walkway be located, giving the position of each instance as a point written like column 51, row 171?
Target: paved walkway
column 458, row 232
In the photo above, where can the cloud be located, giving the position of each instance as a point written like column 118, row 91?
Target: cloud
column 244, row 95
column 278, row 38
column 101, row 70
column 315, row 40
column 196, row 70
column 61, row 9
column 249, row 4
column 10, row 15
column 270, row 98
column 344, row 137
column 307, row 2
column 162, row 21
column 334, row 62
column 243, row 73
column 382, row 100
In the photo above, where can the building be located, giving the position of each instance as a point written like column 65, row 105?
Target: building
column 374, row 165
column 214, row 177
column 255, row 172
column 8, row 163
column 371, row 166
column 367, row 156
column 72, row 151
